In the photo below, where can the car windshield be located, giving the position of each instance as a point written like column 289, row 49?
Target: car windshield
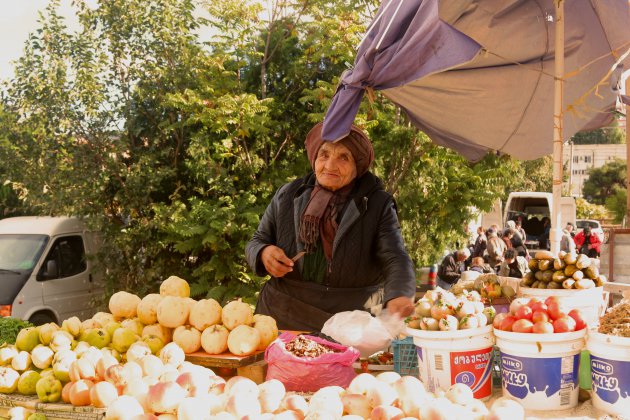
column 581, row 224
column 21, row 252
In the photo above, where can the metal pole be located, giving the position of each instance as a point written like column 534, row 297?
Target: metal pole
column 556, row 214
column 627, row 156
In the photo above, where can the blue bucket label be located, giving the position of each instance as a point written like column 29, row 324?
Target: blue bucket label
column 611, row 379
column 541, row 383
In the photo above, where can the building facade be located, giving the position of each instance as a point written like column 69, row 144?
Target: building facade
column 578, row 159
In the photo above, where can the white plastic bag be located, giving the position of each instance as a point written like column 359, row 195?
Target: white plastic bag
column 364, row 332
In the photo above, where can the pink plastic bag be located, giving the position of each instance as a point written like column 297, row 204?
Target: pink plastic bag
column 308, row 374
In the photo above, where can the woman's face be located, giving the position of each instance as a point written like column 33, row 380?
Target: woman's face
column 334, row 166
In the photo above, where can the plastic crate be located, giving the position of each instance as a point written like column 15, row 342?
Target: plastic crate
column 405, row 357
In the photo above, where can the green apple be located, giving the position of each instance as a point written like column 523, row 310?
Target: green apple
column 155, row 343
column 8, row 380
column 27, row 382
column 61, row 369
column 37, row 416
column 97, row 337
column 46, row 331
column 72, row 325
column 27, row 339
column 61, row 340
column 49, row 389
column 7, row 354
column 112, row 326
column 123, row 338
column 42, row 356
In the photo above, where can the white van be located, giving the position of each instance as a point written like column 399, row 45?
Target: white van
column 44, row 270
column 532, row 207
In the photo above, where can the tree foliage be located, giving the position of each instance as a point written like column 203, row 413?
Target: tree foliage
column 617, row 204
column 173, row 147
column 612, row 135
column 586, row 210
column 603, row 181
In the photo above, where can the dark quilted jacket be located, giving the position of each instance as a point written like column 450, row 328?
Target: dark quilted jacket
column 369, row 265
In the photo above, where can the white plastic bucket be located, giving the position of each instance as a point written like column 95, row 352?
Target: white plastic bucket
column 610, row 371
column 541, row 370
column 448, row 357
column 589, row 301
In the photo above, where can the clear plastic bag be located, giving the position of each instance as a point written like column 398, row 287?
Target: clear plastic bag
column 364, row 332
column 308, row 374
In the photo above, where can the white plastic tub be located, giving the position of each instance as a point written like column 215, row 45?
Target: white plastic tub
column 610, row 371
column 541, row 370
column 448, row 357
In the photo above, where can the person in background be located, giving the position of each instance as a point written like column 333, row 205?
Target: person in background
column 496, row 248
column 451, row 268
column 507, row 236
column 347, row 225
column 511, row 224
column 571, row 229
column 479, row 265
column 520, row 230
column 513, row 265
column 481, row 243
column 546, row 229
column 587, row 243
column 567, row 244
column 518, row 244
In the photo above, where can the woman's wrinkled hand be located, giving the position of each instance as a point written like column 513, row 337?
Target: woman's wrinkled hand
column 276, row 261
column 402, row 306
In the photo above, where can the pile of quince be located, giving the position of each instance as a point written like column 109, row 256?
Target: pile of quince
column 567, row 270
column 54, row 362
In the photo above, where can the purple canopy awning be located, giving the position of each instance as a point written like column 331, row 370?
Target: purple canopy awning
column 477, row 75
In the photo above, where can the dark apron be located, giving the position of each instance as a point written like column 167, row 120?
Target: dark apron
column 304, row 306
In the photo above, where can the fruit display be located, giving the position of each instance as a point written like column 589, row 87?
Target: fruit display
column 141, row 341
column 442, row 310
column 489, row 287
column 566, row 271
column 533, row 315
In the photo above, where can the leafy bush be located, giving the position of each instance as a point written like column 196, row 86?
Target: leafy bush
column 9, row 329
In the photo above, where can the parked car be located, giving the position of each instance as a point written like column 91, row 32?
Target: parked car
column 44, row 270
column 596, row 227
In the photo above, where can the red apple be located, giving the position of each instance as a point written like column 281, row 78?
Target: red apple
column 543, row 327
column 102, row 394
column 65, row 392
column 577, row 316
column 524, row 312
column 164, row 397
column 523, row 326
column 564, row 324
column 196, row 384
column 80, row 392
column 538, row 316
column 506, row 324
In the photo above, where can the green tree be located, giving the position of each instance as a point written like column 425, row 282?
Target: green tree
column 610, row 135
column 173, row 147
column 617, row 204
column 603, row 181
column 586, row 210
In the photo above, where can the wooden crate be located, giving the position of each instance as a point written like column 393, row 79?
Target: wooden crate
column 226, row 364
column 55, row 411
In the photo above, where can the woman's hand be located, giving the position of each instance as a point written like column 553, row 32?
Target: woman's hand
column 402, row 305
column 276, row 261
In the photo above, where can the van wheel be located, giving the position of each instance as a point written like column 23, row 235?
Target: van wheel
column 40, row 319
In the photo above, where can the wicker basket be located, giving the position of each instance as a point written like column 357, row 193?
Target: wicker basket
column 405, row 357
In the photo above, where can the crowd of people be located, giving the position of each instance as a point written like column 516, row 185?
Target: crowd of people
column 504, row 251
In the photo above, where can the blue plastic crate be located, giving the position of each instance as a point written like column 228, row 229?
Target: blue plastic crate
column 405, row 357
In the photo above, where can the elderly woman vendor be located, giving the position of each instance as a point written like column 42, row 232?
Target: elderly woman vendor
column 346, row 224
